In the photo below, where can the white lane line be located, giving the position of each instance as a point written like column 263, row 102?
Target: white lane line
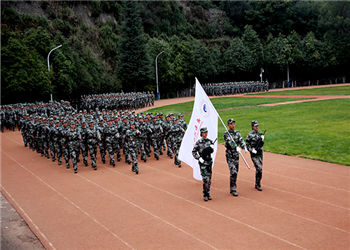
column 278, row 190
column 210, row 210
column 27, row 217
column 261, row 203
column 71, row 202
column 296, row 179
column 148, row 212
column 222, row 161
column 295, row 194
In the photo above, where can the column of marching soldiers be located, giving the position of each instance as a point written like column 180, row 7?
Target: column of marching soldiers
column 231, row 88
column 132, row 100
column 56, row 130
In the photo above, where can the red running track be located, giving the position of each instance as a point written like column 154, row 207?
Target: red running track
column 305, row 203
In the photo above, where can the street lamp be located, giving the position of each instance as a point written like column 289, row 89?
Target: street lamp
column 157, row 74
column 48, row 61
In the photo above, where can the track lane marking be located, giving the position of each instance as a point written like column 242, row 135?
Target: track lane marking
column 71, row 202
column 7, row 194
column 146, row 211
column 274, row 188
column 259, row 202
column 209, row 209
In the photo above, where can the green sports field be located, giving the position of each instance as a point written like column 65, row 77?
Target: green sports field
column 341, row 90
column 316, row 130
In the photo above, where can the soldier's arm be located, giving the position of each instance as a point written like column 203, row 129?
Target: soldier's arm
column 229, row 142
column 241, row 141
column 248, row 142
column 195, row 151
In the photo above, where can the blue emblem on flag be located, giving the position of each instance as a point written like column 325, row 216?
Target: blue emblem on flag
column 205, row 108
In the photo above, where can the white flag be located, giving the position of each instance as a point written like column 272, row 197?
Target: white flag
column 203, row 115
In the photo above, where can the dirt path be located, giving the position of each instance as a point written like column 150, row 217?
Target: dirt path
column 171, row 101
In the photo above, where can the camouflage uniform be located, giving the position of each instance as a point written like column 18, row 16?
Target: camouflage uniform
column 255, row 143
column 73, row 142
column 167, row 127
column 83, row 142
column 111, row 138
column 142, row 127
column 131, row 138
column 63, row 144
column 232, row 155
column 202, row 151
column 101, row 142
column 176, row 134
column 92, row 136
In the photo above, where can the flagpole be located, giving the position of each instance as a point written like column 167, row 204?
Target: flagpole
column 246, row 163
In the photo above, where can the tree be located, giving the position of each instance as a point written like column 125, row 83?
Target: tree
column 134, row 67
column 24, row 75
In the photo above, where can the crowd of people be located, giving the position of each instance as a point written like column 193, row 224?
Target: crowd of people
column 120, row 101
column 230, row 88
column 57, row 131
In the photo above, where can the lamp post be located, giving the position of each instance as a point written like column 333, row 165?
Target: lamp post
column 48, row 61
column 157, row 74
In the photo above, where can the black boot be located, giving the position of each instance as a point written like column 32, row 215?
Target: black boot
column 233, row 188
column 258, row 177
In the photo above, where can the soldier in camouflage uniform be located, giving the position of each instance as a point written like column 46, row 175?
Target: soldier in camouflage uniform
column 93, row 136
column 46, row 138
column 233, row 139
column 51, row 139
column 83, row 143
column 56, row 137
column 111, row 138
column 155, row 134
column 167, row 125
column 63, row 143
column 182, row 122
column 131, row 139
column 142, row 127
column 101, row 142
column 176, row 134
column 255, row 143
column 202, row 152
column 73, row 142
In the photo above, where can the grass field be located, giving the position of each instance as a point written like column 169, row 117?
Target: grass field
column 315, row 130
column 341, row 90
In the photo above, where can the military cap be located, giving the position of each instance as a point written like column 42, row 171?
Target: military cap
column 57, row 121
column 160, row 114
column 229, row 121
column 171, row 114
column 72, row 123
column 204, row 129
column 255, row 123
column 132, row 123
column 180, row 115
column 153, row 117
column 174, row 119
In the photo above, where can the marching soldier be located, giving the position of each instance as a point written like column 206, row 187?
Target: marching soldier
column 92, row 136
column 176, row 134
column 202, row 151
column 131, row 138
column 73, row 140
column 255, row 143
column 233, row 139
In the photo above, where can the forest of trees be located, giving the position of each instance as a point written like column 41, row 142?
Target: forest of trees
column 110, row 45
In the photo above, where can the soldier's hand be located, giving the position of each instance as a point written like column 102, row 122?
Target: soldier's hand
column 254, row 151
column 212, row 146
column 238, row 149
column 201, row 160
column 262, row 137
column 245, row 149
